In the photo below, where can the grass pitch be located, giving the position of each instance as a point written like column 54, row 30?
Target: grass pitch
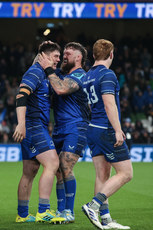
column 132, row 205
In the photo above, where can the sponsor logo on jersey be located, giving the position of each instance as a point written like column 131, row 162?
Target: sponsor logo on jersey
column 51, row 143
column 33, row 150
column 78, row 75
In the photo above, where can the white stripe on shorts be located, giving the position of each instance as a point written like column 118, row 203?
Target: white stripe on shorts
column 97, row 126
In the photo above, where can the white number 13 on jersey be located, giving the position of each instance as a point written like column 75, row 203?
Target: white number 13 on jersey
column 93, row 99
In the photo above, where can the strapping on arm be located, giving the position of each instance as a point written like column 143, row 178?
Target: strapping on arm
column 22, row 96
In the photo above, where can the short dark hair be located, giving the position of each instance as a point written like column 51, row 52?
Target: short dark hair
column 81, row 48
column 48, row 46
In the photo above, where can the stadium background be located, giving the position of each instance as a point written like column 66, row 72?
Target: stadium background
column 133, row 64
column 21, row 33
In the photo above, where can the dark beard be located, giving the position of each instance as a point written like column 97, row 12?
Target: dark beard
column 67, row 67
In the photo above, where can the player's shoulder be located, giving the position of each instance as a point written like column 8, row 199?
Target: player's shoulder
column 109, row 74
column 78, row 73
column 35, row 71
column 97, row 70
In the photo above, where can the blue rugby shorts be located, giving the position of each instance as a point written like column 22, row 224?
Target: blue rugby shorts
column 37, row 140
column 101, row 142
column 71, row 138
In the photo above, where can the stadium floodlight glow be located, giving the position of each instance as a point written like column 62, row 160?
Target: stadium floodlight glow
column 46, row 32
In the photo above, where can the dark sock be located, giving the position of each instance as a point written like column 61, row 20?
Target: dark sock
column 23, row 208
column 70, row 190
column 43, row 205
column 60, row 193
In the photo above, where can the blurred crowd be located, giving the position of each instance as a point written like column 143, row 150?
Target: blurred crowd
column 133, row 65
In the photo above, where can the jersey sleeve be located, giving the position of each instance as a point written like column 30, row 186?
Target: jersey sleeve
column 108, row 83
column 32, row 78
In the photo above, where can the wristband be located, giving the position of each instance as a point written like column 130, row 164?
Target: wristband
column 49, row 71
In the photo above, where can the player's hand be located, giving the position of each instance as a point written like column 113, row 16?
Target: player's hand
column 47, row 42
column 19, row 133
column 45, row 61
column 120, row 137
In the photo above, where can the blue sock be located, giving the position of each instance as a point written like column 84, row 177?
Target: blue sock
column 43, row 205
column 70, row 190
column 104, row 209
column 100, row 198
column 23, row 208
column 60, row 193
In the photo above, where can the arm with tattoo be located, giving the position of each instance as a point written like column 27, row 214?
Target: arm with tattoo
column 66, row 86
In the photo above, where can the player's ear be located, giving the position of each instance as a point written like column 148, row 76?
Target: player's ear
column 78, row 57
column 111, row 54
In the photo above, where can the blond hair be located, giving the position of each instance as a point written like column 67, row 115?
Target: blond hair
column 102, row 49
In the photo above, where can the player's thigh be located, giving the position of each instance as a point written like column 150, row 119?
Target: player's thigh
column 30, row 168
column 49, row 159
column 102, row 167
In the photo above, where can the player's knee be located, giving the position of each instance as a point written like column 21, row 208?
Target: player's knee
column 35, row 170
column 30, row 171
column 55, row 165
column 103, row 176
column 128, row 175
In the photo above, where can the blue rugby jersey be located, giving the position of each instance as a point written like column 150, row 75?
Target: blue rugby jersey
column 71, row 108
column 99, row 81
column 39, row 103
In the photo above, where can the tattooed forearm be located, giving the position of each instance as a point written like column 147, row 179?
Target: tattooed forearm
column 71, row 84
column 66, row 86
column 55, row 81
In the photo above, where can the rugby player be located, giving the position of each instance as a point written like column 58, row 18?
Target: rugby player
column 33, row 112
column 105, row 136
column 71, row 113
